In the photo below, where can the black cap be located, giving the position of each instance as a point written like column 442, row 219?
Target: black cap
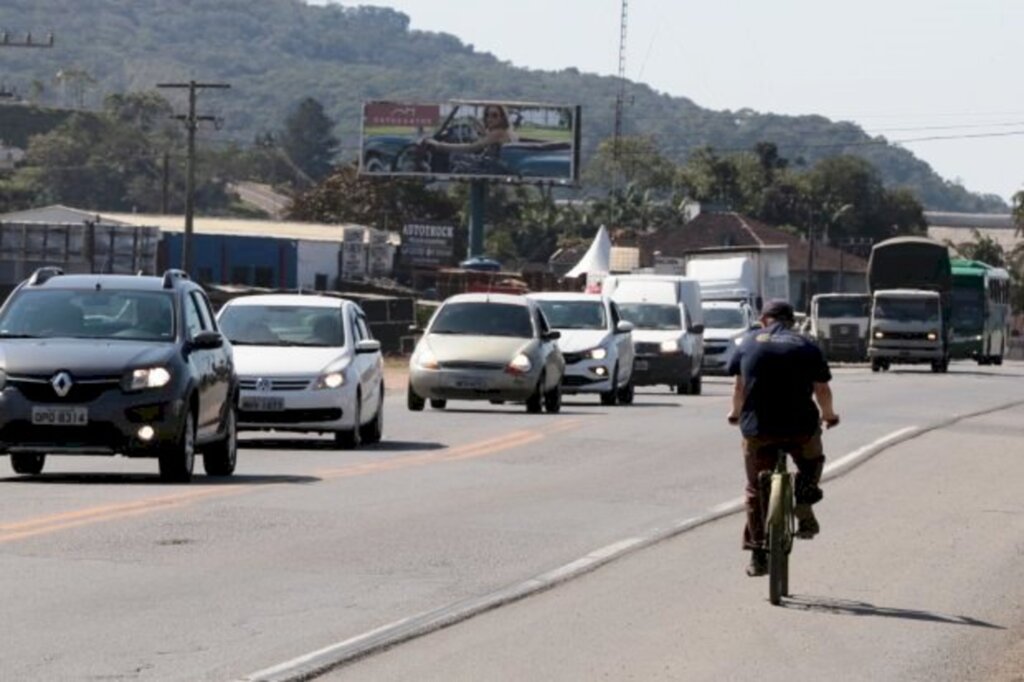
column 778, row 310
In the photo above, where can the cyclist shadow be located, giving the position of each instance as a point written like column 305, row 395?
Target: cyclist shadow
column 846, row 607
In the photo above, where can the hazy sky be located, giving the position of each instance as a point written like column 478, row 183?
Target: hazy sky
column 902, row 68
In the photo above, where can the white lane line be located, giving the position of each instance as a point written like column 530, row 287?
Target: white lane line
column 314, row 664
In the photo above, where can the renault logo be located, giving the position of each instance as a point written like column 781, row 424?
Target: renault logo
column 61, row 383
column 264, row 384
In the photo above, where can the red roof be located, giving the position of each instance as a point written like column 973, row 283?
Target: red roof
column 717, row 229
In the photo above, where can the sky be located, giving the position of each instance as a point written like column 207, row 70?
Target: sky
column 906, row 69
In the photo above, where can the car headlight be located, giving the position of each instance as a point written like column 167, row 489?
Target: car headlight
column 879, row 335
column 976, row 338
column 598, row 354
column 670, row 346
column 148, row 377
column 424, row 359
column 329, row 380
column 520, row 365
column 738, row 340
column 932, row 336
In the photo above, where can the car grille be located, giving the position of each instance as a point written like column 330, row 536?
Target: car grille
column 38, row 390
column 290, row 416
column 573, row 358
column 647, row 348
column 576, row 380
column 906, row 336
column 467, row 364
column 715, row 348
column 843, row 331
column 274, row 384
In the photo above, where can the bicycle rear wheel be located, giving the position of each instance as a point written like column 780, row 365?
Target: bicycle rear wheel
column 779, row 526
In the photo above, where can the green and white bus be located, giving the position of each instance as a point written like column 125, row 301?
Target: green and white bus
column 981, row 311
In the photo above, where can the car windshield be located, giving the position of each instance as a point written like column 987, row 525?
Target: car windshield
column 483, row 319
column 90, row 314
column 574, row 314
column 651, row 315
column 907, row 309
column 282, row 325
column 724, row 318
column 844, row 307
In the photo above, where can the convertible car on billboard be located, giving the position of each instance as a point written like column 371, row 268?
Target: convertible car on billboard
column 512, row 142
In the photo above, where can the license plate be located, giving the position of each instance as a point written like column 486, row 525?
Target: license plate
column 263, row 404
column 640, row 365
column 468, row 383
column 60, row 416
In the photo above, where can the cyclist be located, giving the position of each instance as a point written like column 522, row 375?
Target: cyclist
column 780, row 375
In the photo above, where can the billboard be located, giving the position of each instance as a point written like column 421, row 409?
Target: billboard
column 427, row 245
column 507, row 141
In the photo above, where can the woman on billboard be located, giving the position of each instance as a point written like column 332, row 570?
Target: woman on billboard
column 483, row 155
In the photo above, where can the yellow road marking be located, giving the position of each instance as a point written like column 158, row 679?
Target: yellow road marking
column 51, row 523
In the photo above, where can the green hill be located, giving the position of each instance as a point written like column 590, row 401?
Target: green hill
column 276, row 52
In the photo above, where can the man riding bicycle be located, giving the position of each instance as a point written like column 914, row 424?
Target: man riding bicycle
column 780, row 375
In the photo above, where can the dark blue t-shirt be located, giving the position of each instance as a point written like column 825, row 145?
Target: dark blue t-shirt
column 779, row 369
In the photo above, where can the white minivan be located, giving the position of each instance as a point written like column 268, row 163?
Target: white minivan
column 668, row 323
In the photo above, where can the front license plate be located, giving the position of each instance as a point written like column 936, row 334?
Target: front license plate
column 469, row 383
column 262, row 404
column 60, row 416
column 640, row 365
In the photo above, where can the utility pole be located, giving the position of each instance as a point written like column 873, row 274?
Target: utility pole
column 7, row 41
column 621, row 96
column 191, row 121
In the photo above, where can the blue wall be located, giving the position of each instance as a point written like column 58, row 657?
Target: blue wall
column 231, row 259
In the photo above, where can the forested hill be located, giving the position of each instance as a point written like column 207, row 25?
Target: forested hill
column 276, row 52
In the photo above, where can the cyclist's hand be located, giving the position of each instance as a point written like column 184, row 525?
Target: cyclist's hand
column 830, row 421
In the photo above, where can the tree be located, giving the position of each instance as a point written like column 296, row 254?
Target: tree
column 636, row 161
column 1018, row 212
column 984, row 249
column 308, row 140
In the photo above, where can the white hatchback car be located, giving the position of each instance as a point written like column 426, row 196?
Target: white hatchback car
column 595, row 341
column 306, row 363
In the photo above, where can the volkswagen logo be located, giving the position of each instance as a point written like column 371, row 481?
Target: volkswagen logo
column 264, row 384
column 62, row 384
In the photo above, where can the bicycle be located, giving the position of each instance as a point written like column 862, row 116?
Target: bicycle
column 777, row 489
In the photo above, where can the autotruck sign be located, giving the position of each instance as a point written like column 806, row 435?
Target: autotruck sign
column 427, row 244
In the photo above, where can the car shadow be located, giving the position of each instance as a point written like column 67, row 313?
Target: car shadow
column 846, row 607
column 511, row 410
column 198, row 479
column 956, row 371
column 329, row 445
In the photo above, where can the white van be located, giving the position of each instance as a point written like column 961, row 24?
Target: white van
column 668, row 335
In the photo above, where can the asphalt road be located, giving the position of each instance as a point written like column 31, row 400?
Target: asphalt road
column 109, row 574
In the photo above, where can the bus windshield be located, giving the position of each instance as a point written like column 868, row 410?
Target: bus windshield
column 968, row 309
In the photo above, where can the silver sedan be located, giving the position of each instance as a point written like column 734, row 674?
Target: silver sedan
column 495, row 347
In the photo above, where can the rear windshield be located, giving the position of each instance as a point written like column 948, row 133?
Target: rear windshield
column 651, row 315
column 724, row 318
column 483, row 319
column 574, row 314
column 281, row 325
column 102, row 314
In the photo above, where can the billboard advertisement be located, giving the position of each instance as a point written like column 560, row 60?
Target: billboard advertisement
column 507, row 141
column 427, row 245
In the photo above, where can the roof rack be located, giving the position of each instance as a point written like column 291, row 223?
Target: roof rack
column 41, row 275
column 173, row 275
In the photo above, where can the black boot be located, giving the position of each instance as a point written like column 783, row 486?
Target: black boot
column 758, row 563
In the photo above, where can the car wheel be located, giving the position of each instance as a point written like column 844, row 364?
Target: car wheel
column 627, row 393
column 220, row 458
column 610, row 397
column 438, row 403
column 553, row 399
column 413, row 401
column 178, row 459
column 351, row 439
column 375, row 164
column 27, row 463
column 535, row 403
column 374, row 431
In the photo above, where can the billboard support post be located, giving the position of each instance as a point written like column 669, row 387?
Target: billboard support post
column 477, row 204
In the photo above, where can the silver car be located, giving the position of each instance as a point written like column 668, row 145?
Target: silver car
column 495, row 347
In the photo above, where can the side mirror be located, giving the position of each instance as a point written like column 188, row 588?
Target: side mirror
column 697, row 329
column 207, row 340
column 754, row 326
column 552, row 335
column 368, row 346
column 624, row 327
column 415, row 330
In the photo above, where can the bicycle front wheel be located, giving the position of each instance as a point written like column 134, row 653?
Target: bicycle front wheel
column 779, row 514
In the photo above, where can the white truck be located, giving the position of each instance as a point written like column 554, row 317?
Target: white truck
column 839, row 324
column 734, row 282
column 668, row 328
